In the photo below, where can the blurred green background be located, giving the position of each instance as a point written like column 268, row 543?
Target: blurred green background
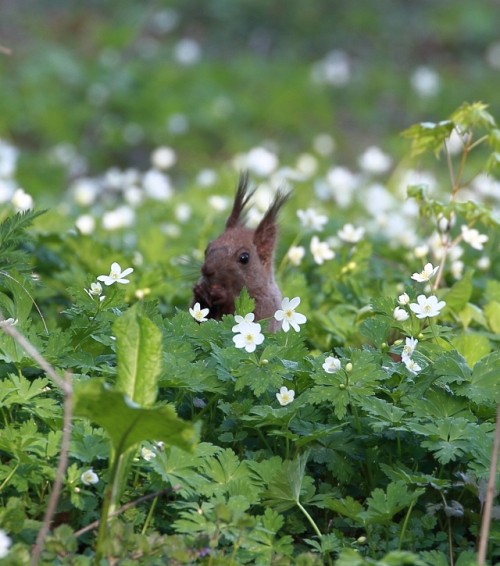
column 101, row 84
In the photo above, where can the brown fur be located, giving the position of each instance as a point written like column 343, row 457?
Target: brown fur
column 225, row 273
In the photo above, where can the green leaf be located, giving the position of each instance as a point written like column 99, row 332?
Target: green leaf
column 139, row 356
column 382, row 506
column 471, row 115
column 472, row 347
column 428, row 136
column 128, row 424
column 483, row 385
column 347, row 507
column 492, row 313
column 244, row 304
column 460, row 293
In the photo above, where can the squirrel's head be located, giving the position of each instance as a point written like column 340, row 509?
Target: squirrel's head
column 239, row 258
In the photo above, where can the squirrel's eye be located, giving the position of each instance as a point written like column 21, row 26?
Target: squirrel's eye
column 244, row 258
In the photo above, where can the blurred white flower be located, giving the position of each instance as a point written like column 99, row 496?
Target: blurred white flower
column 409, row 347
column 324, row 144
column 348, row 233
column 116, row 275
column 331, row 364
column 421, row 251
column 454, row 143
column 8, row 159
column 206, row 178
column 457, row 268
column 218, row 203
column 376, row 199
column 403, row 299
column 486, row 185
column 249, row 335
column 157, row 185
column 147, row 454
column 334, row 69
column 21, row 200
column 321, row 250
column 374, row 160
column 427, row 307
column 5, row 543
column 307, row 164
column 425, row 81
column 288, row 316
column 85, row 191
column 178, row 123
column 183, row 212
column 472, row 237
column 285, row 396
column 7, row 188
column 85, row 224
column 187, row 51
column 296, row 254
column 261, row 161
column 426, row 274
column 95, row 289
column 400, row 314
column 411, row 365
column 199, row 314
column 484, row 263
column 342, row 183
column 89, row 477
column 163, row 157
column 121, row 217
column 311, row 220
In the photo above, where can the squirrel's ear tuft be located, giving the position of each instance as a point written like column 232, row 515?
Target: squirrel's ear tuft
column 266, row 232
column 243, row 195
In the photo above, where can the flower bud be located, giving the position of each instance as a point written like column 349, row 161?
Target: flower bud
column 348, row 367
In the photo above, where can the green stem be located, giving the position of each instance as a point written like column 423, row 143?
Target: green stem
column 309, row 518
column 405, row 525
column 7, row 479
column 150, row 515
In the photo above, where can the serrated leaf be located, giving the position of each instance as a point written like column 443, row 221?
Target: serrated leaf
column 139, row 356
column 492, row 313
column 472, row 347
column 428, row 136
column 128, row 424
column 347, row 506
column 382, row 506
column 483, row 385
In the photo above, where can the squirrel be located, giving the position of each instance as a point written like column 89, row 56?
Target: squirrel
column 242, row 257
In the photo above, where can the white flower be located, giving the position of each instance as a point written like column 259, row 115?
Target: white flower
column 199, row 314
column 8, row 159
column 218, row 203
column 9, row 322
column 425, row 81
column 249, row 335
column 85, row 224
column 147, row 454
column 331, row 364
column 285, row 396
column 375, row 161
column 421, row 251
column 116, row 275
column 427, row 306
column 157, row 185
column 187, row 51
column 21, row 200
column 163, row 157
column 425, row 275
column 288, row 315
column 400, row 314
column 311, row 220
column 321, row 250
column 95, row 291
column 409, row 348
column 411, row 365
column 242, row 321
column 121, row 217
column 403, row 299
column 472, row 237
column 350, row 234
column 89, row 477
column 296, row 254
column 5, row 542
column 261, row 161
column 484, row 263
column 457, row 268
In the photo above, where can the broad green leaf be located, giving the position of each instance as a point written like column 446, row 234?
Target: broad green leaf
column 139, row 356
column 473, row 115
column 460, row 293
column 428, row 136
column 127, row 423
column 492, row 313
column 472, row 347
column 382, row 506
column 347, row 507
column 483, row 386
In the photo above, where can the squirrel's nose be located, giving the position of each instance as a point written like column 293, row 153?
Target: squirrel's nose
column 207, row 271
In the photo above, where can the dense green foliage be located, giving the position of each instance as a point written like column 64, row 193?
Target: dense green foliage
column 183, row 448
